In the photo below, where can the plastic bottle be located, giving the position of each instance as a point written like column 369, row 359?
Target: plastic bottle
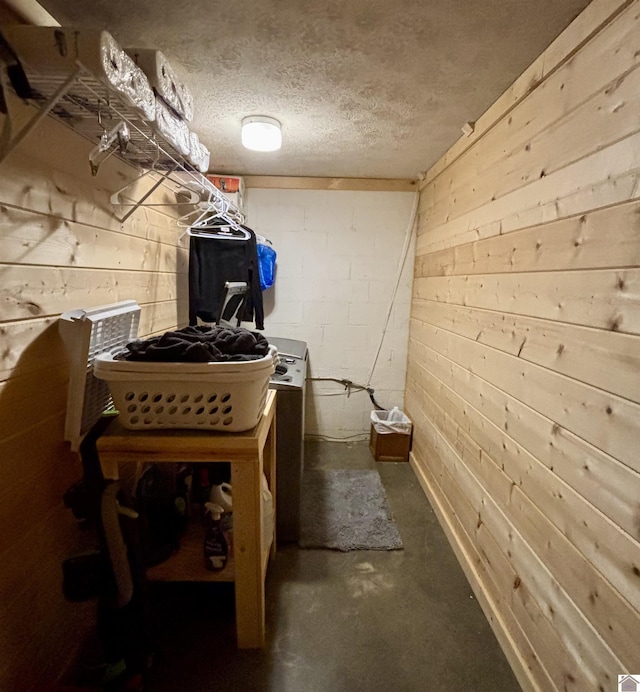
column 221, row 495
column 216, row 550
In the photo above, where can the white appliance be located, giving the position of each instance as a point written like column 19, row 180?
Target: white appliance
column 290, row 382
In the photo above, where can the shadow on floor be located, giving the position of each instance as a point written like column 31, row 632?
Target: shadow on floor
column 399, row 621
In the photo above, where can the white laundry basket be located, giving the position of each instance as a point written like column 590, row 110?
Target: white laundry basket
column 227, row 396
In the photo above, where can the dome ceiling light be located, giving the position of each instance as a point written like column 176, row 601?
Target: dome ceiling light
column 261, row 133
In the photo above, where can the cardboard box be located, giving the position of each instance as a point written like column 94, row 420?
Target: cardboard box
column 227, row 183
column 390, row 446
column 232, row 187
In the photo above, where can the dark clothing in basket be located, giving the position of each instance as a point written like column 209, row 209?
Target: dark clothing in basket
column 214, row 261
column 201, row 344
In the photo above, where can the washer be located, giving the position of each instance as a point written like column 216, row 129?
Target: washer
column 290, row 382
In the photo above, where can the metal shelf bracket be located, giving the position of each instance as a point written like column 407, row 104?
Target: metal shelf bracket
column 83, row 102
column 8, row 142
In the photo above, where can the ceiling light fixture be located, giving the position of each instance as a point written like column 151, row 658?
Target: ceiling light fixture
column 261, row 133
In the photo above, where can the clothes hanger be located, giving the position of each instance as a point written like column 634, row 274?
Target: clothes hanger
column 212, row 223
column 119, row 136
column 216, row 219
column 116, row 197
column 204, row 211
column 228, row 231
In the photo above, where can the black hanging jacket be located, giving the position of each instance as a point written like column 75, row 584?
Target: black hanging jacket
column 212, row 262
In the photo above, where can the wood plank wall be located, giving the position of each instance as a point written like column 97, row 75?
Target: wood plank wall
column 524, row 359
column 60, row 248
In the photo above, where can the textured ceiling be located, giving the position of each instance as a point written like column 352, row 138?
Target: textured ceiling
column 363, row 88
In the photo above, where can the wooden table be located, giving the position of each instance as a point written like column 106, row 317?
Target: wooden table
column 251, row 453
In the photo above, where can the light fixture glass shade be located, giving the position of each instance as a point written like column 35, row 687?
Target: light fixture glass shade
column 261, row 133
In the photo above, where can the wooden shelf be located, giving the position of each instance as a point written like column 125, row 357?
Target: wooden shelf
column 187, row 563
column 252, row 455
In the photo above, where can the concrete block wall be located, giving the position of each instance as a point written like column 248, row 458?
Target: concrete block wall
column 339, row 254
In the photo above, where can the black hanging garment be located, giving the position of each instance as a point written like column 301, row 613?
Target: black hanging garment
column 212, row 262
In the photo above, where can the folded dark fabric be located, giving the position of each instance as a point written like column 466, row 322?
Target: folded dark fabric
column 199, row 344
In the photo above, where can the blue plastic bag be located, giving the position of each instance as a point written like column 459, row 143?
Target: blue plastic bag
column 266, row 265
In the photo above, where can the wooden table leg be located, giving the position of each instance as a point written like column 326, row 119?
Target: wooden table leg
column 247, row 539
column 109, row 468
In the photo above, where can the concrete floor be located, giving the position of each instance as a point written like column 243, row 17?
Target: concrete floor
column 401, row 621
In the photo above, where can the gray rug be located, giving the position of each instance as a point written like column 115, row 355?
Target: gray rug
column 346, row 510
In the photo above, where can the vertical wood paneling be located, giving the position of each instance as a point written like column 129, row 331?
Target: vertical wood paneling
column 523, row 379
column 61, row 248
